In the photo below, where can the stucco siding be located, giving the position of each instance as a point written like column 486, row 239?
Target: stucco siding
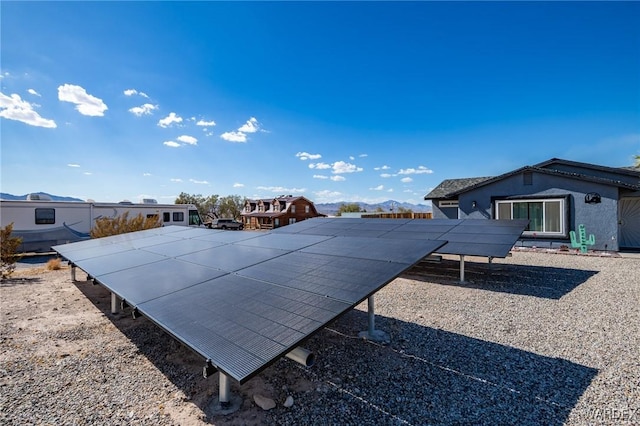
column 599, row 219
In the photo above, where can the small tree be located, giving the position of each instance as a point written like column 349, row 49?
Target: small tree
column 348, row 208
column 8, row 248
column 207, row 207
column 231, row 206
column 106, row 226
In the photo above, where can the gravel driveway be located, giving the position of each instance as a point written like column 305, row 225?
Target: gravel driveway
column 532, row 339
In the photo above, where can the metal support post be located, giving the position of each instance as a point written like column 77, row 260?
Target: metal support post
column 371, row 333
column 114, row 303
column 225, row 390
column 73, row 273
column 462, row 268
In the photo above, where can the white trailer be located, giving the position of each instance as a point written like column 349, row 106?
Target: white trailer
column 42, row 224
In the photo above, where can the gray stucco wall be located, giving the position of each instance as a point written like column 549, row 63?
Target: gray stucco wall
column 599, row 219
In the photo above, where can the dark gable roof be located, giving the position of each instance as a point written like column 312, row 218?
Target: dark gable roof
column 453, row 185
column 630, row 171
column 451, row 188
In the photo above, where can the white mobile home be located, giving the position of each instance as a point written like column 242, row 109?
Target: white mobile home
column 42, row 224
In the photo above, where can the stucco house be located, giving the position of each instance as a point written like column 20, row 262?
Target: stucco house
column 556, row 196
column 272, row 213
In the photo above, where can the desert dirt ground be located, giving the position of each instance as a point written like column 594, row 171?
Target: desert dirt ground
column 65, row 359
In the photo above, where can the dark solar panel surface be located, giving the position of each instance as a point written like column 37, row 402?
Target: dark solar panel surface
column 243, row 299
column 473, row 237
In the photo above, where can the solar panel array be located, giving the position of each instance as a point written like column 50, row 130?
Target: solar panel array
column 472, row 237
column 243, row 299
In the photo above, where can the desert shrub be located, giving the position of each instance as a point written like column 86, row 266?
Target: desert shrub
column 106, row 226
column 8, row 248
column 54, row 264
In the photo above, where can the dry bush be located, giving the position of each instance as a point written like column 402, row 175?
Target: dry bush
column 54, row 264
column 8, row 248
column 106, row 226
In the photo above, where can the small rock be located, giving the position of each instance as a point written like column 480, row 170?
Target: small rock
column 264, row 402
column 288, row 402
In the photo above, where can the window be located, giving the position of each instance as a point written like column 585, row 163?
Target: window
column 307, row 209
column 293, row 208
column 546, row 216
column 276, row 222
column 194, row 218
column 448, row 203
column 152, row 216
column 292, row 220
column 166, row 217
column 45, row 216
column 178, row 216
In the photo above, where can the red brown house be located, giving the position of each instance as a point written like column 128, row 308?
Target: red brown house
column 272, row 213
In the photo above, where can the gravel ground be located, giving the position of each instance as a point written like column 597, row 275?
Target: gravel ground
column 532, row 339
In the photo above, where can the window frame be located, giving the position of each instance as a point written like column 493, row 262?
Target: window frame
column 178, row 215
column 563, row 214
column 448, row 204
column 47, row 220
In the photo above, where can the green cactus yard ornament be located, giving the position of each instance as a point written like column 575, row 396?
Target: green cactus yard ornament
column 583, row 241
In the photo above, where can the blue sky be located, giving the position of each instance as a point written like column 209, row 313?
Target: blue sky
column 359, row 101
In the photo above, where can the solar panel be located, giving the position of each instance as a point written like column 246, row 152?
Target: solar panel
column 243, row 299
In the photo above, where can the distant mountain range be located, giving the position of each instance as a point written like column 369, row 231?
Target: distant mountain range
column 386, row 206
column 5, row 196
column 326, row 208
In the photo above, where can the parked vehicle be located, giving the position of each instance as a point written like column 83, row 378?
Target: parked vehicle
column 226, row 224
column 42, row 224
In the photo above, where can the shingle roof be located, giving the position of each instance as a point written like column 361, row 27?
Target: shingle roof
column 453, row 185
column 451, row 188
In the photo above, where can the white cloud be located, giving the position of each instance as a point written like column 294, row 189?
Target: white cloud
column 377, row 188
column 206, row 123
column 146, row 174
column 87, row 173
column 171, row 144
column 406, row 180
column 14, row 108
column 351, row 157
column 251, row 126
column 281, row 189
column 178, row 180
column 385, row 167
column 340, row 167
column 319, row 166
column 320, row 177
column 199, row 182
column 385, row 175
column 188, row 139
column 86, row 104
column 419, row 171
column 169, row 120
column 131, row 92
column 34, row 93
column 363, row 155
column 306, row 156
column 238, row 185
column 338, row 178
column 390, row 190
column 234, row 137
column 73, row 165
column 143, row 109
